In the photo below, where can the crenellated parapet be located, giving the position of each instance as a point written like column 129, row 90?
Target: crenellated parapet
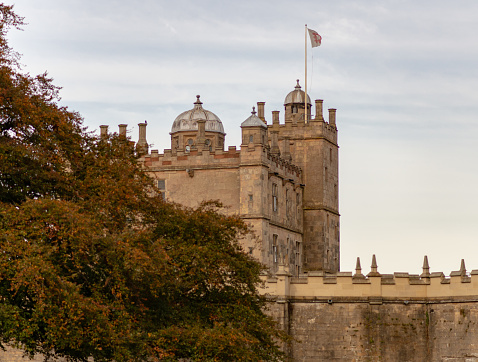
column 298, row 128
column 281, row 163
column 182, row 159
column 319, row 286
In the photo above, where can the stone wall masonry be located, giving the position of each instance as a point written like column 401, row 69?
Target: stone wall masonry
column 391, row 317
column 345, row 330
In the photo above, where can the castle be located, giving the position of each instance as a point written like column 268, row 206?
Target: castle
column 284, row 182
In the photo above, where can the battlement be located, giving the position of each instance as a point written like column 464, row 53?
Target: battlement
column 181, row 159
column 277, row 162
column 373, row 287
column 297, row 127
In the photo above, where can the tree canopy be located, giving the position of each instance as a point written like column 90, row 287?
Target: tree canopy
column 93, row 263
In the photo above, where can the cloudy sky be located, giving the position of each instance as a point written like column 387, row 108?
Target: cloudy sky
column 403, row 76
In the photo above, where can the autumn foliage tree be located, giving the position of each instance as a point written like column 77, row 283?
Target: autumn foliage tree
column 93, row 263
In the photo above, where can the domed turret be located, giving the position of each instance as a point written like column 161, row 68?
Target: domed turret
column 187, row 121
column 254, row 130
column 197, row 128
column 253, row 120
column 294, row 105
column 296, row 96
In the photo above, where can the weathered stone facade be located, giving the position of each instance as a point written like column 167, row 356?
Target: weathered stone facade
column 399, row 317
column 283, row 180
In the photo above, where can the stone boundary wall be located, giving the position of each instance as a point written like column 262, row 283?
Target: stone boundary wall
column 390, row 317
column 353, row 331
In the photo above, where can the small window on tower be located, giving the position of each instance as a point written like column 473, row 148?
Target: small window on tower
column 274, row 248
column 294, row 109
column 162, row 188
column 251, row 139
column 274, row 197
column 297, row 257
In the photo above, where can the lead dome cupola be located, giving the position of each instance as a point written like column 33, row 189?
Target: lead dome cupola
column 253, row 120
column 296, row 96
column 187, row 121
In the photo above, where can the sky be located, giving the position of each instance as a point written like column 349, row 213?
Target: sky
column 402, row 75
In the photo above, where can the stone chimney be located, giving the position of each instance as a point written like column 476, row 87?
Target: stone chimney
column 275, row 117
column 332, row 116
column 142, row 145
column 122, row 130
column 319, row 116
column 260, row 111
column 103, row 131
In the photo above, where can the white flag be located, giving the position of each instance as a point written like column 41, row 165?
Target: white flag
column 315, row 38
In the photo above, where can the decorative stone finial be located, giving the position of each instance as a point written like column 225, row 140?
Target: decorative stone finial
column 374, row 272
column 358, row 267
column 198, row 101
column 462, row 268
column 425, row 268
column 374, row 263
column 253, row 111
column 358, row 270
column 298, row 85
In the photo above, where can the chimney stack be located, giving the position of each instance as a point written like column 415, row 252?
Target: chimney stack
column 260, row 111
column 332, row 116
column 275, row 117
column 103, row 131
column 122, row 130
column 319, row 116
column 142, row 145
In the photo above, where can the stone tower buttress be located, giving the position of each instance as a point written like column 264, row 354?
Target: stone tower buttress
column 314, row 148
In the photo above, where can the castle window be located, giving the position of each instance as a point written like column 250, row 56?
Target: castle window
column 274, row 197
column 330, row 154
column 274, row 250
column 209, row 144
column 297, row 257
column 162, row 188
column 294, row 109
column 251, row 139
column 287, row 204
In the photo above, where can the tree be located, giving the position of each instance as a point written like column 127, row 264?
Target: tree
column 93, row 263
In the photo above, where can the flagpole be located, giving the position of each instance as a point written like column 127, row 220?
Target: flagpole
column 305, row 98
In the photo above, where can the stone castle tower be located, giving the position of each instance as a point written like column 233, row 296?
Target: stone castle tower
column 283, row 180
